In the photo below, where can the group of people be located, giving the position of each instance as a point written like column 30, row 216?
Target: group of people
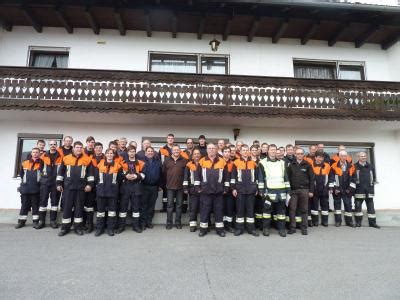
column 244, row 188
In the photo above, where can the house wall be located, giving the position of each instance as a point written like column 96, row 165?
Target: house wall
column 280, row 131
column 130, row 52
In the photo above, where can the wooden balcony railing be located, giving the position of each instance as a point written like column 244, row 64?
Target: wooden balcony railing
column 250, row 95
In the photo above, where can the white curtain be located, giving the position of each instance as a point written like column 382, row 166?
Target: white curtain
column 314, row 72
column 43, row 61
column 177, row 65
column 62, row 61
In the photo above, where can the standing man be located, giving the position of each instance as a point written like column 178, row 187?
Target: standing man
column 98, row 154
column 238, row 148
column 221, row 146
column 301, row 177
column 30, row 189
column 122, row 142
column 289, row 157
column 108, row 176
column 189, row 189
column 342, row 185
column 320, row 147
column 166, row 151
column 229, row 201
column 273, row 183
column 173, row 170
column 131, row 190
column 51, row 161
column 188, row 152
column 365, row 181
column 264, row 150
column 312, row 149
column 202, row 145
column 336, row 157
column 321, row 170
column 74, row 179
column 244, row 188
column 66, row 148
column 151, row 184
column 142, row 153
column 90, row 197
column 211, row 180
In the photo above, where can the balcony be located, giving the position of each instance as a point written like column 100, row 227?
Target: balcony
column 170, row 93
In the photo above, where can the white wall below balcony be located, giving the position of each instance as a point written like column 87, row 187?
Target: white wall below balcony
column 106, row 127
column 130, row 52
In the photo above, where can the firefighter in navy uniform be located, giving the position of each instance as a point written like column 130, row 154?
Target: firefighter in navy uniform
column 51, row 161
column 132, row 190
column 212, row 181
column 342, row 187
column 74, row 179
column 274, row 186
column 66, row 148
column 90, row 197
column 364, row 177
column 244, row 188
column 189, row 189
column 321, row 171
column 30, row 189
column 166, row 151
column 108, row 176
column 229, row 200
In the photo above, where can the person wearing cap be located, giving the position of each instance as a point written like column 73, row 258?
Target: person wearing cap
column 202, row 145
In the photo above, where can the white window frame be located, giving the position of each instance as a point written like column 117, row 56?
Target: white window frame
column 199, row 56
column 337, row 64
column 32, row 49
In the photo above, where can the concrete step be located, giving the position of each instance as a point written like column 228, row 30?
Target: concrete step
column 384, row 217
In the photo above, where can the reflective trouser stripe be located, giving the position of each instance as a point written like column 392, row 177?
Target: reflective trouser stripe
column 259, row 216
column 250, row 220
column 309, row 218
column 135, row 215
column 298, row 219
column 192, row 223
column 203, row 225
column 314, row 212
column 22, row 217
column 266, row 216
column 371, row 216
column 239, row 220
column 358, row 214
column 88, row 209
column 66, row 221
column 100, row 214
column 280, row 217
column 338, row 212
column 35, row 217
column 228, row 219
column 42, row 209
column 54, row 208
column 348, row 214
column 219, row 225
column 123, row 215
column 325, row 213
column 112, row 214
column 78, row 220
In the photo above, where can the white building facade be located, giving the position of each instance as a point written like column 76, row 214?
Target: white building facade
column 262, row 57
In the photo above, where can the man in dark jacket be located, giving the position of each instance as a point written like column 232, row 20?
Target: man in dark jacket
column 151, row 184
column 301, row 177
column 364, row 177
column 173, row 170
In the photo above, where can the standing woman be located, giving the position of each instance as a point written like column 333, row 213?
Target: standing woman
column 108, row 174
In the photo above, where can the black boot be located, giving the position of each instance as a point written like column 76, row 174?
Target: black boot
column 280, row 224
column 164, row 206
column 78, row 229
column 324, row 220
column 89, row 220
column 36, row 224
column 238, row 232
column 315, row 220
column 310, row 223
column 251, row 230
column 53, row 224
column 42, row 220
column 358, row 220
column 375, row 226
column 221, row 232
column 338, row 219
column 266, row 226
column 63, row 231
column 99, row 232
column 229, row 227
column 372, row 223
column 53, row 219
column 349, row 221
column 20, row 224
column 135, row 225
column 202, row 232
column 192, row 228
column 121, row 225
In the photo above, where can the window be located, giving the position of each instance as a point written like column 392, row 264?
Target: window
column 188, row 63
column 351, row 72
column 159, row 142
column 316, row 69
column 27, row 141
column 48, row 57
column 351, row 148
